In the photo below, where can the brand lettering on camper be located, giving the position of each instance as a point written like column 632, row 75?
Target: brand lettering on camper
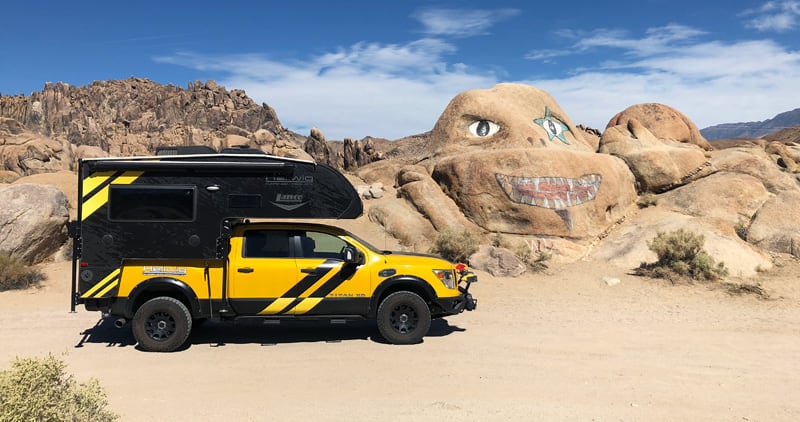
column 288, row 197
column 163, row 270
column 288, row 201
column 294, row 180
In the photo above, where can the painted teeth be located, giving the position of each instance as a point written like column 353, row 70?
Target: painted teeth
column 556, row 193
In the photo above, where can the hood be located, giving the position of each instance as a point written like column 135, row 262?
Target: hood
column 412, row 258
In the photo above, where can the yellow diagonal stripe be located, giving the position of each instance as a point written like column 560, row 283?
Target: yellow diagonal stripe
column 277, row 306
column 96, row 179
column 305, row 306
column 94, row 203
column 99, row 199
column 102, row 282
column 107, row 289
column 127, row 178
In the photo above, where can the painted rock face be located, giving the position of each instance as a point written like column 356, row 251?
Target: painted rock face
column 513, row 162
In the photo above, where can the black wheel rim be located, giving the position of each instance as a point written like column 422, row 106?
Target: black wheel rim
column 404, row 318
column 160, row 326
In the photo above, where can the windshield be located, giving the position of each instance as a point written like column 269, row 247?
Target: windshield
column 367, row 244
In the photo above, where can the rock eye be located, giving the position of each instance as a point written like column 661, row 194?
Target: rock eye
column 484, row 128
column 554, row 127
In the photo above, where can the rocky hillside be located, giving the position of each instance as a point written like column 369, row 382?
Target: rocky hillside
column 49, row 130
column 740, row 130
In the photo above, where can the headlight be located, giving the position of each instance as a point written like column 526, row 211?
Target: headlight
column 446, row 277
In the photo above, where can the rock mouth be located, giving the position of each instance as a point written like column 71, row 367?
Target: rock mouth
column 555, row 193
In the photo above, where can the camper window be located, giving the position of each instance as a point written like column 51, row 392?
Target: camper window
column 151, row 203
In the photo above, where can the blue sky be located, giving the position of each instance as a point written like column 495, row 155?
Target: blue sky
column 389, row 68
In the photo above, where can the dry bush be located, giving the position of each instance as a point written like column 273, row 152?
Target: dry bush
column 681, row 255
column 740, row 289
column 41, row 390
column 536, row 262
column 741, row 228
column 647, row 199
column 16, row 275
column 455, row 246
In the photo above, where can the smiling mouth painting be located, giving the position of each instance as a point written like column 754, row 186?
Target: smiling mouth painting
column 556, row 193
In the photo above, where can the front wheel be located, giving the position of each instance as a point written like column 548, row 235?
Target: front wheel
column 403, row 318
column 162, row 324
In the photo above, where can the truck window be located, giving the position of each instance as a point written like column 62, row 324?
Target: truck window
column 321, row 245
column 151, row 203
column 266, row 244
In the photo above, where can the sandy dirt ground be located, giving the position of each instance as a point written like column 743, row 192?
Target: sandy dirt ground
column 558, row 346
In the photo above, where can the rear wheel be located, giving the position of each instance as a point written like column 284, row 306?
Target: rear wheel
column 403, row 318
column 162, row 324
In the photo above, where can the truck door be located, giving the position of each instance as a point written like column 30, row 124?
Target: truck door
column 262, row 269
column 332, row 287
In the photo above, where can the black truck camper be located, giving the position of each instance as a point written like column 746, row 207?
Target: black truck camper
column 182, row 203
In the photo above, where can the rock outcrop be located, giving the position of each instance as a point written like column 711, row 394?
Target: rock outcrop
column 659, row 164
column 499, row 262
column 32, row 221
column 662, row 121
column 347, row 155
column 508, row 159
column 131, row 117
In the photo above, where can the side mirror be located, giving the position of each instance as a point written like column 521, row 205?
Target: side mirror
column 350, row 255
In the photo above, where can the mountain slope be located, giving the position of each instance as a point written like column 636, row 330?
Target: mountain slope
column 753, row 129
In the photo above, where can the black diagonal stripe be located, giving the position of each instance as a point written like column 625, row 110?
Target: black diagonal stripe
column 345, row 273
column 103, row 185
column 292, row 305
column 310, row 279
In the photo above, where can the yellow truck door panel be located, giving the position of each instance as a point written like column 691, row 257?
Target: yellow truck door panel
column 261, row 270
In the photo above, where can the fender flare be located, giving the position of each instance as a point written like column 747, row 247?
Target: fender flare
column 166, row 285
column 401, row 282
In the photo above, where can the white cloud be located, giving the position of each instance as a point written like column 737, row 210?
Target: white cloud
column 711, row 82
column 778, row 16
column 656, row 40
column 547, row 55
column 368, row 89
column 461, row 23
column 396, row 90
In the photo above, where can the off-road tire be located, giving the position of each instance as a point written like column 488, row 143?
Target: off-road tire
column 162, row 324
column 403, row 318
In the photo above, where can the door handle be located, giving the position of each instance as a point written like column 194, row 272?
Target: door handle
column 245, row 270
column 309, row 270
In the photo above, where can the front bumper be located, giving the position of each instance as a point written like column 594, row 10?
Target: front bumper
column 455, row 305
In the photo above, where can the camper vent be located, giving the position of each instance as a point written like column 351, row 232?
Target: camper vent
column 185, row 150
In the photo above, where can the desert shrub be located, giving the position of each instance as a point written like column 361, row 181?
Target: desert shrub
column 41, row 390
column 680, row 254
column 16, row 275
column 647, row 199
column 455, row 246
column 498, row 240
column 536, row 261
column 741, row 227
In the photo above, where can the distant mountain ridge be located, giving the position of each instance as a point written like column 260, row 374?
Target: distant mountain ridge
column 783, row 120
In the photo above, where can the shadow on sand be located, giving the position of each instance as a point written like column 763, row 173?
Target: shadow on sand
column 247, row 331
